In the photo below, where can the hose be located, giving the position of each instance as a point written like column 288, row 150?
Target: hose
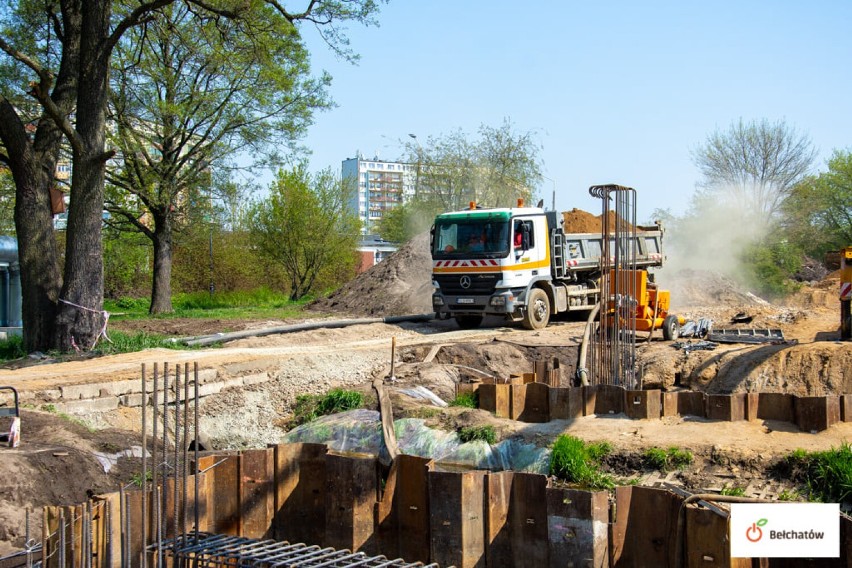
column 582, row 371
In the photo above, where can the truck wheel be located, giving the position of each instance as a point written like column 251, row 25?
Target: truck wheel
column 671, row 328
column 538, row 310
column 468, row 322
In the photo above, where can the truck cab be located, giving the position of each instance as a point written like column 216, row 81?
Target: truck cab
column 484, row 261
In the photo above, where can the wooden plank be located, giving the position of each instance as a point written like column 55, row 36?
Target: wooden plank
column 351, row 494
column 498, row 540
column 528, row 520
column 578, row 527
column 256, row 495
column 457, row 523
column 300, row 472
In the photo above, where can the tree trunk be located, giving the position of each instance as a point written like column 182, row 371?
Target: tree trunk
column 32, row 164
column 80, row 319
column 161, row 290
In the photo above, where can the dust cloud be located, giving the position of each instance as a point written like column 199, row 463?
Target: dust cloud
column 707, row 243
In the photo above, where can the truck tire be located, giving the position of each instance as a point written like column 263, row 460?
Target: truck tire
column 537, row 313
column 671, row 328
column 468, row 322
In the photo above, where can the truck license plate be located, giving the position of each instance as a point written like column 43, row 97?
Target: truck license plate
column 465, row 300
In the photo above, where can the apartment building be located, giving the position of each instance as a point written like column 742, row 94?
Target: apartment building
column 381, row 186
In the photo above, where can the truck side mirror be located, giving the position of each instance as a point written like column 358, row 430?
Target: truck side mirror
column 432, row 237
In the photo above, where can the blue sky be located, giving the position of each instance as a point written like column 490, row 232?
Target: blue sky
column 615, row 91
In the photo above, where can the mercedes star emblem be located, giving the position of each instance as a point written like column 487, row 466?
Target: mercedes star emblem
column 464, row 281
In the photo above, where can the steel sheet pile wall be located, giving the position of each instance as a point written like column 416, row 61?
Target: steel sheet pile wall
column 301, row 493
column 538, row 402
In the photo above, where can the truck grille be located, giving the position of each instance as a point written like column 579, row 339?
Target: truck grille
column 480, row 284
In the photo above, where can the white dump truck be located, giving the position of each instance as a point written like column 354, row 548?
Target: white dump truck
column 518, row 263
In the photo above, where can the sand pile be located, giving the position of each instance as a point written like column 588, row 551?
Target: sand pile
column 399, row 285
column 579, row 221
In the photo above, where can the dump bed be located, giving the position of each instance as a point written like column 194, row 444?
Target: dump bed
column 582, row 251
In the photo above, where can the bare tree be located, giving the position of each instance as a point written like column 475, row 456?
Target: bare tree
column 754, row 164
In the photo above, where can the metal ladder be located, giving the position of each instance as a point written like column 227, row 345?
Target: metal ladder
column 557, row 246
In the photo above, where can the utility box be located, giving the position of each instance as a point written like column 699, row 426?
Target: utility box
column 10, row 288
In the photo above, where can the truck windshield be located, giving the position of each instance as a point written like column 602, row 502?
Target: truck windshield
column 470, row 238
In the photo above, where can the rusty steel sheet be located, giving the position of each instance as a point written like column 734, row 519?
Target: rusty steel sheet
column 727, row 407
column 775, row 406
column 402, row 515
column 223, row 491
column 351, row 494
column 590, row 393
column 517, row 400
column 577, row 527
column 645, row 525
column 498, row 538
column 528, row 520
column 706, row 540
column 257, row 500
column 300, row 471
column 536, row 403
column 609, row 399
column 566, row 403
column 816, row 413
column 643, row 404
column 845, row 408
column 458, row 518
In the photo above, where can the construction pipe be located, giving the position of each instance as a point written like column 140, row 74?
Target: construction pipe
column 325, row 324
column 582, row 371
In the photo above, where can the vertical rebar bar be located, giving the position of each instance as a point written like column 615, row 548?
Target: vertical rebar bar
column 184, row 447
column 155, row 464
column 176, row 470
column 62, row 539
column 164, row 491
column 195, row 444
column 144, row 470
column 108, row 527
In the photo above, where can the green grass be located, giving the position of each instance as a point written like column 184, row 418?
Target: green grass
column 667, row 460
column 466, row 400
column 484, row 433
column 733, row 491
column 309, row 407
column 221, row 305
column 572, row 460
column 826, row 475
column 12, row 348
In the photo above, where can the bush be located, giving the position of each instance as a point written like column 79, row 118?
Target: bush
column 12, row 348
column 572, row 461
column 309, row 407
column 484, row 433
column 827, row 475
column 466, row 400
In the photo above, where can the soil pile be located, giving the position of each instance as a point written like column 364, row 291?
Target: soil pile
column 579, row 221
column 399, row 285
column 704, row 288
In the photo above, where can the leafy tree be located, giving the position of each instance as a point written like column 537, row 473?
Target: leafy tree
column 55, row 57
column 818, row 212
column 493, row 169
column 7, row 202
column 307, row 228
column 755, row 165
column 193, row 89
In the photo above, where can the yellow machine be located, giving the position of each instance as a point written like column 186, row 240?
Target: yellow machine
column 650, row 309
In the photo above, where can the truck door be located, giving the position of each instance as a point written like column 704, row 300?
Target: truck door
column 529, row 247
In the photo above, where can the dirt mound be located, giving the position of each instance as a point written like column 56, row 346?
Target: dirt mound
column 704, row 288
column 579, row 221
column 399, row 285
column 56, row 464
